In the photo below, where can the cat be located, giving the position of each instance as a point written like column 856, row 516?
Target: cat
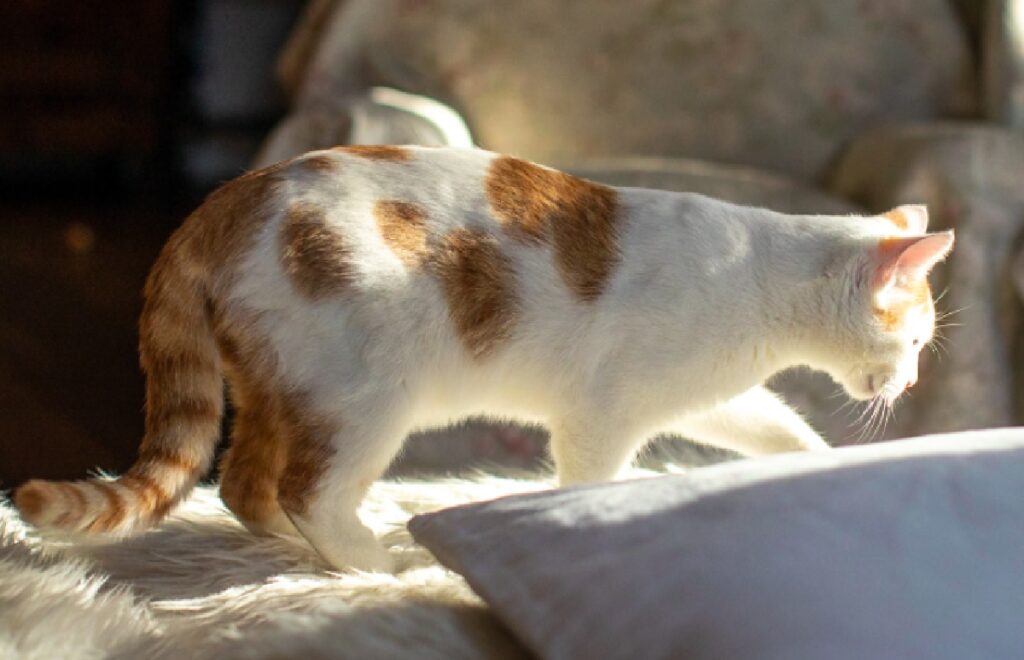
column 350, row 296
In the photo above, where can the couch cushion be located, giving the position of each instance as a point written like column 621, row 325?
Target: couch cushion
column 909, row 549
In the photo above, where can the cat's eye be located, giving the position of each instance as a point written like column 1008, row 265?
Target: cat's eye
column 916, row 342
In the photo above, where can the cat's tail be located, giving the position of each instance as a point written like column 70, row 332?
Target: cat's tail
column 184, row 405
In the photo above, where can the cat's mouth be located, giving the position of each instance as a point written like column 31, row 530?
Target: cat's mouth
column 888, row 388
column 870, row 385
column 864, row 387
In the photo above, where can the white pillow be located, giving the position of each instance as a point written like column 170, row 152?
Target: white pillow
column 910, row 549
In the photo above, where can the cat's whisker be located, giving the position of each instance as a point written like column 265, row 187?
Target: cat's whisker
column 960, row 309
column 838, row 392
column 887, row 415
column 859, row 439
column 939, row 316
column 879, row 419
column 847, row 411
column 890, row 412
column 939, row 345
column 846, row 407
column 864, row 411
column 869, row 429
column 942, row 321
column 880, row 414
column 871, row 411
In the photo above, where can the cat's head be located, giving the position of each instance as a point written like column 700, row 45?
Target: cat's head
column 891, row 311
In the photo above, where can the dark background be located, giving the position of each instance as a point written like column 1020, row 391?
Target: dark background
column 116, row 119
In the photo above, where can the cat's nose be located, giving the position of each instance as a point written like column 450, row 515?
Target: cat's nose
column 912, row 376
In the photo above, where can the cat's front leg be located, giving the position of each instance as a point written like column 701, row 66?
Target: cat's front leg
column 753, row 423
column 591, row 448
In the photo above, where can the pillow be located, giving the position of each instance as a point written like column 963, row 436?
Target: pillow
column 910, row 549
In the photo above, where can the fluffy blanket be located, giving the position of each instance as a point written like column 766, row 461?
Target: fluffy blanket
column 201, row 586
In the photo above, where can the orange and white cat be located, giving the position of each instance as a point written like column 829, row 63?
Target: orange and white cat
column 351, row 296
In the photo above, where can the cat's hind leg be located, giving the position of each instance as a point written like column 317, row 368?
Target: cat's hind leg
column 332, row 461
column 252, row 466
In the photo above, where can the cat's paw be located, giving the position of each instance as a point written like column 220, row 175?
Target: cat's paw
column 368, row 556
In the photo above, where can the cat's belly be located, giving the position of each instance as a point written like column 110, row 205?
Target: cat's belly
column 495, row 389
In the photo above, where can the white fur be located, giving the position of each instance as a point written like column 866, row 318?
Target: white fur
column 708, row 300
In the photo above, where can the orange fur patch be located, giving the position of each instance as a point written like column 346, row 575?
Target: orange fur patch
column 32, row 498
column 154, row 500
column 253, row 465
column 523, row 197
column 74, row 512
column 168, row 409
column 226, row 226
column 278, row 450
column 309, row 453
column 578, row 217
column 479, row 285
column 402, row 226
column 168, row 458
column 319, row 164
column 898, row 218
column 385, row 152
column 113, row 513
column 313, row 254
column 916, row 294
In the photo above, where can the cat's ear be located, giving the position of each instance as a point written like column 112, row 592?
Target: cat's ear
column 908, row 258
column 912, row 218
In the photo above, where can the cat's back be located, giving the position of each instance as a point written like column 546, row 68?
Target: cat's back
column 393, row 207
column 361, row 181
column 331, row 223
column 385, row 214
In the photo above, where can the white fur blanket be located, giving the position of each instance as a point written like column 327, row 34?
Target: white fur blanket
column 200, row 586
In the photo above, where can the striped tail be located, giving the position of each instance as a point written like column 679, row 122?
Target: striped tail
column 184, row 405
